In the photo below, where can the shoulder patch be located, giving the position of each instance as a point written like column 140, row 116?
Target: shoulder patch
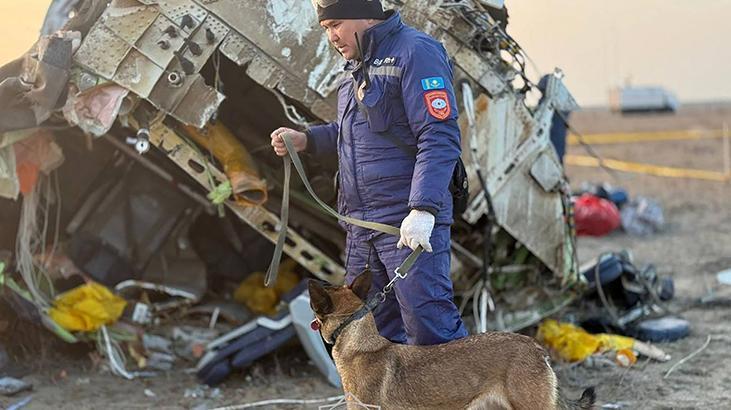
column 432, row 83
column 437, row 103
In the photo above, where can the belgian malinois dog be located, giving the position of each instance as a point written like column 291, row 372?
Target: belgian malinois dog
column 495, row 370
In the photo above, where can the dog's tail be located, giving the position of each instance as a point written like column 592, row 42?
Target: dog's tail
column 586, row 402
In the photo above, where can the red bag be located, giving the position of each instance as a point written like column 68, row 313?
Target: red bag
column 595, row 216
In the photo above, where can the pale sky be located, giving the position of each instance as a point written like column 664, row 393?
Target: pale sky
column 20, row 24
column 678, row 44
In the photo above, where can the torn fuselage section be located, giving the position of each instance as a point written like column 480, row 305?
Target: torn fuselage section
column 186, row 60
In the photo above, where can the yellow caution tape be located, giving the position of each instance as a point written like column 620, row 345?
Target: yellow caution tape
column 639, row 168
column 621, row 137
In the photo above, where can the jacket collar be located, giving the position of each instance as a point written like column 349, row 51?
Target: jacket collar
column 375, row 35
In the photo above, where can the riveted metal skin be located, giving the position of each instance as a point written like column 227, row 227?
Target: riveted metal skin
column 148, row 43
column 102, row 60
column 138, row 73
column 199, row 37
column 130, row 23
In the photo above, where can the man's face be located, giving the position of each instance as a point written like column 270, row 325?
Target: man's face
column 341, row 34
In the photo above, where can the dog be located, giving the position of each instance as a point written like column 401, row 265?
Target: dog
column 496, row 370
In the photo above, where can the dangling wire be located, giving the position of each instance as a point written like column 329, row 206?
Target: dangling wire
column 31, row 241
column 291, row 112
column 482, row 297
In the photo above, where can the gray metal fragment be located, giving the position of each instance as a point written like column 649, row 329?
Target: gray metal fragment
column 10, row 386
column 138, row 73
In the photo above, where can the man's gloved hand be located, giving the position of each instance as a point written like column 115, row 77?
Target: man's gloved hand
column 416, row 230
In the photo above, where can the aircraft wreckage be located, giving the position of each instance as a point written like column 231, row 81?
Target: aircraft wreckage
column 206, row 81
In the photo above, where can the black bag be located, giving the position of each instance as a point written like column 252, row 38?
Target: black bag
column 460, row 188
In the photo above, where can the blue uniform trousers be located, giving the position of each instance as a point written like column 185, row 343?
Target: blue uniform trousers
column 421, row 309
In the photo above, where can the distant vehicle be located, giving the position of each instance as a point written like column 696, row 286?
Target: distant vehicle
column 642, row 99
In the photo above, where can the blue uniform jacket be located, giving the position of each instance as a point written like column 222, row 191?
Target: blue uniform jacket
column 411, row 98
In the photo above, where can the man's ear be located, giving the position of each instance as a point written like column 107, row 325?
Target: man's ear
column 362, row 285
column 320, row 301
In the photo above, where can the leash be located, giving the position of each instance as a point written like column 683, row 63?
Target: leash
column 372, row 303
column 293, row 158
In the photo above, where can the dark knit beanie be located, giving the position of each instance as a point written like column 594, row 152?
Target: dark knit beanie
column 349, row 9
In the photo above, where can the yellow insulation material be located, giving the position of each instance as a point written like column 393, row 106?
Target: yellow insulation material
column 87, row 308
column 575, row 344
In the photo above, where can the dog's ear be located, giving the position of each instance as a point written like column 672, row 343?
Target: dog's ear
column 362, row 284
column 320, row 301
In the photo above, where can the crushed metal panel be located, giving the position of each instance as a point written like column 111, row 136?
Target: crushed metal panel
column 177, row 10
column 138, row 73
column 129, row 23
column 199, row 104
column 547, row 171
column 172, row 88
column 216, row 28
column 264, row 71
column 286, row 32
column 530, row 213
column 148, row 44
column 238, row 49
column 102, row 51
column 559, row 96
column 498, row 135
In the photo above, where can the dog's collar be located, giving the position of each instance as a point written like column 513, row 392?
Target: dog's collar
column 370, row 305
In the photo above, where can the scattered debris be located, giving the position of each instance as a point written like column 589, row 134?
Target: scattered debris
column 10, row 386
column 622, row 295
column 96, row 109
column 595, row 216
column 574, row 344
column 130, row 231
column 190, row 342
column 20, row 404
column 87, row 308
column 642, row 217
column 614, row 406
column 203, row 392
column 724, row 277
column 664, row 329
column 690, row 356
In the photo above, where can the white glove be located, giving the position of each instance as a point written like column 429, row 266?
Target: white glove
column 416, row 230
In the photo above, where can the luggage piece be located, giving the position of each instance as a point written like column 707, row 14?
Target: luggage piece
column 666, row 329
column 241, row 347
column 257, row 347
column 249, row 342
column 610, row 268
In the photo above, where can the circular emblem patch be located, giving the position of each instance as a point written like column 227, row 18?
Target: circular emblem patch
column 439, row 104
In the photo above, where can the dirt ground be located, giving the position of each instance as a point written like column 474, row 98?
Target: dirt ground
column 695, row 244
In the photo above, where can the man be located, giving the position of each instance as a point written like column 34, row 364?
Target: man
column 397, row 142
